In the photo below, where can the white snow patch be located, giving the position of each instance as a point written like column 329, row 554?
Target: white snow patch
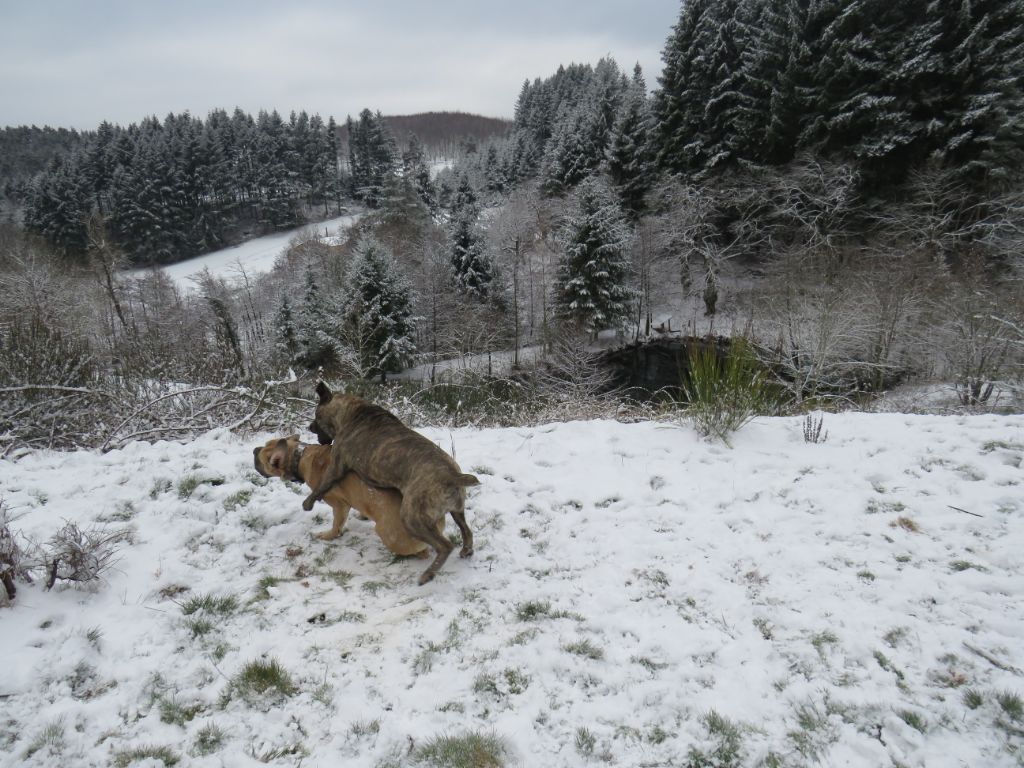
column 628, row 579
column 254, row 256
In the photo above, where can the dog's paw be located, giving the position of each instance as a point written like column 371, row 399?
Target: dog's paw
column 328, row 535
column 427, row 575
column 466, row 552
column 308, row 502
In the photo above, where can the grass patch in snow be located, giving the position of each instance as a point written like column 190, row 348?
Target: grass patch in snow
column 895, row 636
column 966, row 565
column 362, row 728
column 822, row 641
column 534, row 610
column 471, row 749
column 259, row 678
column 586, row 742
column 161, row 486
column 726, row 748
column 373, row 588
column 906, row 523
column 875, row 506
column 973, row 698
column 341, row 578
column 649, row 664
column 815, row 732
column 210, row 605
column 237, row 500
column 189, row 483
column 123, row 512
column 164, row 755
column 913, row 719
column 884, row 663
column 51, row 738
column 585, row 648
column 509, row 683
column 174, row 713
column 1011, row 704
column 209, row 739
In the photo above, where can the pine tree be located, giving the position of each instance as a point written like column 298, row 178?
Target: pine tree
column 373, row 156
column 315, row 338
column 287, row 348
column 377, row 321
column 416, row 170
column 767, row 116
column 590, row 287
column 472, row 269
column 630, row 162
column 679, row 102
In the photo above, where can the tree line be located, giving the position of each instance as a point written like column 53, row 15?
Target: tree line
column 173, row 188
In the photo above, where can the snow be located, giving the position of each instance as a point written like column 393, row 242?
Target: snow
column 254, row 256
column 628, row 579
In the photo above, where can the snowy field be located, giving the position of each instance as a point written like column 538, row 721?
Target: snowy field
column 255, row 256
column 638, row 597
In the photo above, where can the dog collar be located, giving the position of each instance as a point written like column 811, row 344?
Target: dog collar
column 293, row 468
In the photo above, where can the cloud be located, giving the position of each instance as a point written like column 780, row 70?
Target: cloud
column 399, row 57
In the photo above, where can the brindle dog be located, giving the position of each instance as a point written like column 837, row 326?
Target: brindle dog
column 371, row 441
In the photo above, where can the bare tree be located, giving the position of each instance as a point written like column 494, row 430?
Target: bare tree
column 515, row 238
column 572, row 370
column 976, row 344
column 106, row 261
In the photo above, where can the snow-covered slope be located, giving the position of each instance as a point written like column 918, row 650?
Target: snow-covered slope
column 831, row 604
column 254, row 256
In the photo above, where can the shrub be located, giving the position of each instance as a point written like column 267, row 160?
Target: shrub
column 82, row 555
column 10, row 557
column 724, row 392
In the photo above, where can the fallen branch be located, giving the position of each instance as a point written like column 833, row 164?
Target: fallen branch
column 964, row 511
column 992, row 659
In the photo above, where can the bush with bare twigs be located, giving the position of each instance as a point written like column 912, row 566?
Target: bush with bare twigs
column 10, row 558
column 82, row 555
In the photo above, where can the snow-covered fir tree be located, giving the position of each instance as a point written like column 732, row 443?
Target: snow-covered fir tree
column 316, row 335
column 373, row 156
column 416, row 170
column 590, row 287
column 377, row 323
column 630, row 163
column 471, row 268
column 286, row 337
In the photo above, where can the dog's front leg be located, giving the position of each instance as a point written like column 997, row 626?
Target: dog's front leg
column 340, row 516
column 335, row 472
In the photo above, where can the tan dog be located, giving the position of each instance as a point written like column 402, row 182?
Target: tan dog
column 375, row 444
column 290, row 459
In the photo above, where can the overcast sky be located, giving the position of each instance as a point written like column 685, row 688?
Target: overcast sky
column 75, row 63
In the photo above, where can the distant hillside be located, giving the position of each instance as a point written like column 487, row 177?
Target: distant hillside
column 441, row 133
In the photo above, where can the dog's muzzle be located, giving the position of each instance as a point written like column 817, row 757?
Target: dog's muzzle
column 257, row 463
column 322, row 437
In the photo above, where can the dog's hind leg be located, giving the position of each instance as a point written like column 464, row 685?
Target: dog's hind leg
column 416, row 522
column 459, row 516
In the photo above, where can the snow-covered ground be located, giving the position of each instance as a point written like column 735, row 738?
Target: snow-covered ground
column 254, row 256
column 638, row 597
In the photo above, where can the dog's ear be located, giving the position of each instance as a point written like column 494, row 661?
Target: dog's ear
column 279, row 454
column 324, row 393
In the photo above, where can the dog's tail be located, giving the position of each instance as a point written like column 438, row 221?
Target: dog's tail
column 466, row 480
